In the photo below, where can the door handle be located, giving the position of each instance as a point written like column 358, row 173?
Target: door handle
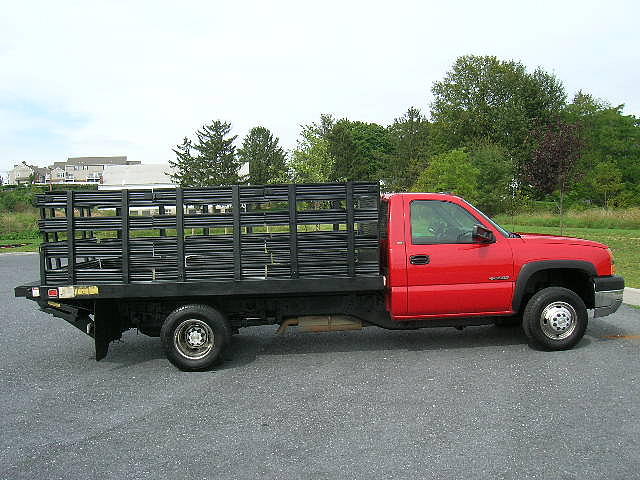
column 419, row 259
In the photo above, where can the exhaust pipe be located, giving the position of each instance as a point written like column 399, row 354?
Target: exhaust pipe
column 322, row 323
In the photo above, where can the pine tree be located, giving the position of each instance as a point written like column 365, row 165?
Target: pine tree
column 210, row 160
column 266, row 159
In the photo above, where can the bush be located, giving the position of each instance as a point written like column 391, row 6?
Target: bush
column 17, row 226
column 17, row 200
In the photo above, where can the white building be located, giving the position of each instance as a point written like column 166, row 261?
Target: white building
column 116, row 177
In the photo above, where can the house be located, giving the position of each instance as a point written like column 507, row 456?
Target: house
column 24, row 173
column 84, row 169
column 73, row 170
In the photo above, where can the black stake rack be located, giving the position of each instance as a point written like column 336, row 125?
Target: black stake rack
column 229, row 233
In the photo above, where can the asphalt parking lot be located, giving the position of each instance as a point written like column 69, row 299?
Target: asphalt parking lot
column 433, row 403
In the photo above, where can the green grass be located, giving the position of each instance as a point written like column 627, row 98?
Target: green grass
column 619, row 229
column 19, row 227
column 628, row 219
column 625, row 245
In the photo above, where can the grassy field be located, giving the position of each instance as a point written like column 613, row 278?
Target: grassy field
column 17, row 228
column 626, row 219
column 625, row 244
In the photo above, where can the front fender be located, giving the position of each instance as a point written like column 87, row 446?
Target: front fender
column 531, row 268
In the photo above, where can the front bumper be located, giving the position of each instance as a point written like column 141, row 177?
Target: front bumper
column 608, row 295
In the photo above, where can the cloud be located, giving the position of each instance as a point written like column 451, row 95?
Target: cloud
column 133, row 78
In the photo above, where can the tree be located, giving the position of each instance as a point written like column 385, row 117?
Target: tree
column 311, row 161
column 209, row 160
column 360, row 151
column 266, row 159
column 605, row 180
column 608, row 137
column 450, row 172
column 556, row 150
column 484, row 98
column 495, row 177
column 411, row 140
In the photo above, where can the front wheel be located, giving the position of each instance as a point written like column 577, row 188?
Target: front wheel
column 194, row 337
column 555, row 318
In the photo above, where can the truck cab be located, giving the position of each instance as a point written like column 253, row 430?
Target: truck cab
column 444, row 258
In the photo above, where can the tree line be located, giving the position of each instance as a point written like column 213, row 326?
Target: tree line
column 496, row 133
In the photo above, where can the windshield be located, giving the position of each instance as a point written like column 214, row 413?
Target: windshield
column 503, row 231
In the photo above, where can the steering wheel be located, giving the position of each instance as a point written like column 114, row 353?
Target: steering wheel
column 438, row 230
column 462, row 236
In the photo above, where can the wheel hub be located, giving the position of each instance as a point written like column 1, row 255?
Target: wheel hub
column 193, row 339
column 196, row 337
column 558, row 320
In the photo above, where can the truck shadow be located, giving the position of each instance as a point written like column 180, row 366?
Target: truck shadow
column 256, row 342
column 247, row 348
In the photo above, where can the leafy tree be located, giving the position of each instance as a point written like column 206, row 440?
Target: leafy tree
column 495, row 177
column 609, row 137
column 410, row 137
column 450, row 172
column 556, row 151
column 582, row 107
column 311, row 161
column 605, row 180
column 360, row 150
column 266, row 159
column 209, row 160
column 484, row 98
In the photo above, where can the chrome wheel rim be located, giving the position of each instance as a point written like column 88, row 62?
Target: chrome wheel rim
column 193, row 339
column 558, row 320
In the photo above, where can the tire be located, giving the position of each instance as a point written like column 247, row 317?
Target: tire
column 194, row 336
column 555, row 318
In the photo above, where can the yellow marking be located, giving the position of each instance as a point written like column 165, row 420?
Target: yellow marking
column 626, row 337
column 91, row 290
column 54, row 304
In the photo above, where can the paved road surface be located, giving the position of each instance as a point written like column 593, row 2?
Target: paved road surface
column 373, row 404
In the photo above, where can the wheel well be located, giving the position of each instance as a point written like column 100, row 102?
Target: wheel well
column 573, row 279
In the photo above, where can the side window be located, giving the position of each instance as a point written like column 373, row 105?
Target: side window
column 434, row 221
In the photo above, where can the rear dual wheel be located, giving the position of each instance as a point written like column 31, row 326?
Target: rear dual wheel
column 194, row 336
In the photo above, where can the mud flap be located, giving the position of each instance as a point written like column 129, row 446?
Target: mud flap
column 106, row 327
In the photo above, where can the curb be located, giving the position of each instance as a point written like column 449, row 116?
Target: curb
column 631, row 296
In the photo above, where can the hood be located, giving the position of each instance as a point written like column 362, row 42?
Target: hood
column 541, row 238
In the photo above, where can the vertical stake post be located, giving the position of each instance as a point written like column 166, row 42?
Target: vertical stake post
column 180, row 234
column 71, row 265
column 351, row 241
column 161, row 211
column 125, row 235
column 293, row 231
column 237, row 245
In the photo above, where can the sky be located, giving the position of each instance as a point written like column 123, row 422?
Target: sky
column 92, row 78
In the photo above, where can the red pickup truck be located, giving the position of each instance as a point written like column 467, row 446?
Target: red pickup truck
column 321, row 257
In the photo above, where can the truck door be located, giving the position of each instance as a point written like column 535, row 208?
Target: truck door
column 447, row 272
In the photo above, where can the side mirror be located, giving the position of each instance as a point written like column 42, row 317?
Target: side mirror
column 482, row 234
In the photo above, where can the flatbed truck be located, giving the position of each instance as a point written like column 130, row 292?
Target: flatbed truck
column 195, row 265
